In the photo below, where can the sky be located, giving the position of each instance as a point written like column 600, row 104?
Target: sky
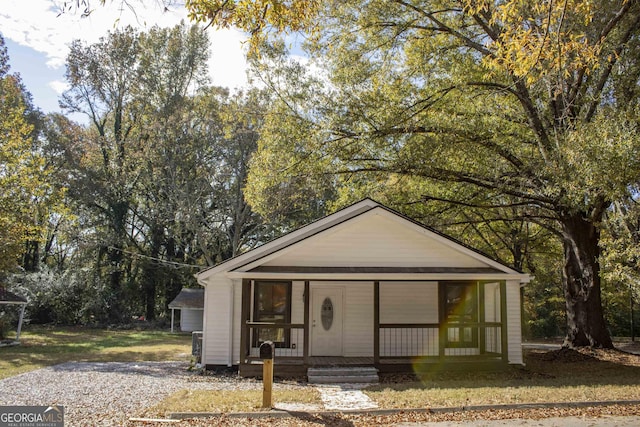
column 38, row 41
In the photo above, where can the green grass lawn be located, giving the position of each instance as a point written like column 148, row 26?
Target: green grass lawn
column 224, row 401
column 547, row 377
column 570, row 378
column 46, row 346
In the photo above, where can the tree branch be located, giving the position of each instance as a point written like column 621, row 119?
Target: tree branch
column 441, row 26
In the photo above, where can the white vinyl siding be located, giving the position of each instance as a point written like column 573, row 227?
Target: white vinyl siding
column 217, row 327
column 493, row 336
column 191, row 319
column 296, row 336
column 492, row 302
column 409, row 302
column 400, row 302
column 358, row 319
column 237, row 312
column 374, row 240
column 514, row 327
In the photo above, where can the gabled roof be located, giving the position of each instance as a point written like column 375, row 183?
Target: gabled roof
column 188, row 298
column 7, row 297
column 290, row 238
column 302, row 240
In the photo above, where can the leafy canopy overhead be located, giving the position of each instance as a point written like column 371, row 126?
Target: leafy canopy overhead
column 259, row 18
column 528, row 100
column 487, row 105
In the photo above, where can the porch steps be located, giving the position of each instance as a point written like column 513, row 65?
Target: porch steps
column 343, row 375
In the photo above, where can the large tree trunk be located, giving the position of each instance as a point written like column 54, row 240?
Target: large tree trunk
column 581, row 277
column 115, row 257
column 152, row 272
column 31, row 256
column 117, row 310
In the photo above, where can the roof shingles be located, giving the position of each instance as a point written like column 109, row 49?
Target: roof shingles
column 7, row 297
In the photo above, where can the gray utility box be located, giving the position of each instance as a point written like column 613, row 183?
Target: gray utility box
column 196, row 344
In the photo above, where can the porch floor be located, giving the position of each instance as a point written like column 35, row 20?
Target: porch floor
column 319, row 361
column 296, row 366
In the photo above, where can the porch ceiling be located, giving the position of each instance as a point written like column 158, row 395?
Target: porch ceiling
column 374, row 273
column 376, row 270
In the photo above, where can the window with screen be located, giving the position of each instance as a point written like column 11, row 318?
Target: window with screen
column 461, row 314
column 272, row 304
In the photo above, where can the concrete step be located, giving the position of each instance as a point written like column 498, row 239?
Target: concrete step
column 344, row 379
column 342, row 375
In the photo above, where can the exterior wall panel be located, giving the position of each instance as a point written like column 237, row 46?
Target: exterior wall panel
column 374, row 241
column 191, row 319
column 216, row 335
column 492, row 314
column 237, row 310
column 297, row 316
column 514, row 326
column 408, row 302
column 358, row 319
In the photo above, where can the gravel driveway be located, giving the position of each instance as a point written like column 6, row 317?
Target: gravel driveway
column 108, row 394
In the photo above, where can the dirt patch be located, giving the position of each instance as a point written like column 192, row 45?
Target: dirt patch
column 567, row 355
column 587, row 354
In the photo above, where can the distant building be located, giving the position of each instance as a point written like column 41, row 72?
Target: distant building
column 190, row 302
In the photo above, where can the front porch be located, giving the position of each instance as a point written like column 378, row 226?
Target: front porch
column 469, row 331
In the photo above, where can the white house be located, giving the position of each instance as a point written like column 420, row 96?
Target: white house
column 190, row 302
column 365, row 286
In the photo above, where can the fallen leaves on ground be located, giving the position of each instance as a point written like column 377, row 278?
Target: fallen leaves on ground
column 587, row 354
column 346, row 420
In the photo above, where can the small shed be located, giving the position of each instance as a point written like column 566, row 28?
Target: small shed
column 9, row 298
column 190, row 302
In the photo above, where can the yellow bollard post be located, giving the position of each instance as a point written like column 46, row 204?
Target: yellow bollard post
column 267, row 381
column 267, row 352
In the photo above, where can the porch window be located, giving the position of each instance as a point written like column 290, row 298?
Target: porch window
column 272, row 304
column 461, row 314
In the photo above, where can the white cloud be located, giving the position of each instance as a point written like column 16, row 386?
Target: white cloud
column 36, row 24
column 59, row 86
column 227, row 64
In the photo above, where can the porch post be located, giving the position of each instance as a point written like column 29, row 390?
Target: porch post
column 20, row 319
column 376, row 323
column 503, row 321
column 442, row 338
column 244, row 316
column 482, row 318
column 305, row 350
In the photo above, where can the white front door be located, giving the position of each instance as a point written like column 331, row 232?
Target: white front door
column 326, row 321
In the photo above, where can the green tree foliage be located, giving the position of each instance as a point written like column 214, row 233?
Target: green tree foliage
column 102, row 79
column 621, row 241
column 260, row 18
column 156, row 179
column 276, row 189
column 27, row 195
column 528, row 104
